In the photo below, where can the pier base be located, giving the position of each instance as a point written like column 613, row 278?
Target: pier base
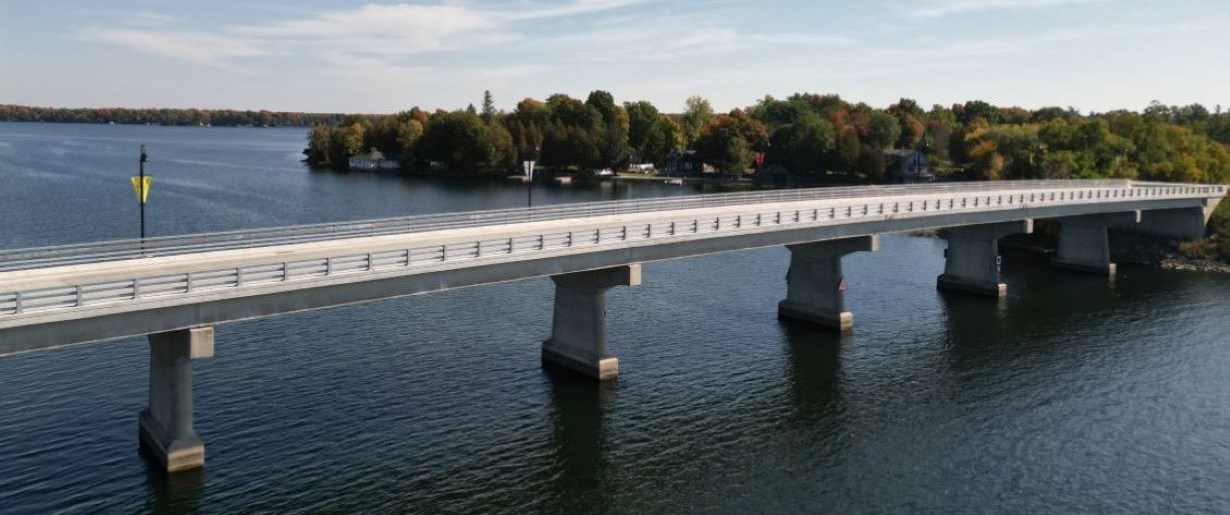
column 1084, row 245
column 815, row 286
column 578, row 329
column 166, row 428
column 972, row 262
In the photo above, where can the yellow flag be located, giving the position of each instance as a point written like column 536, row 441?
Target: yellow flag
column 141, row 190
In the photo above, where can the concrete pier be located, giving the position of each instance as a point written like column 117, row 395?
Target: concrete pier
column 1084, row 243
column 166, row 428
column 973, row 261
column 815, row 286
column 578, row 330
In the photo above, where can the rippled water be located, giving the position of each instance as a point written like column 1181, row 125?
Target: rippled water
column 1075, row 395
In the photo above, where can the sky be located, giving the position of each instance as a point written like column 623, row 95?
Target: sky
column 381, row 57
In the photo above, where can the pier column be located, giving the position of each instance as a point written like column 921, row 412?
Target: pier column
column 166, row 424
column 815, row 288
column 1084, row 245
column 972, row 263
column 578, row 330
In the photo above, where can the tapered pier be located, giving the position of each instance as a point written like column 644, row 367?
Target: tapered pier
column 972, row 263
column 578, row 329
column 1084, row 242
column 815, row 285
column 166, row 427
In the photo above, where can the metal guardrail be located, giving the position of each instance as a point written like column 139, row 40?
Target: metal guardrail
column 669, row 226
column 20, row 259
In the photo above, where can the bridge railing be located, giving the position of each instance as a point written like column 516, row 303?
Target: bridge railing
column 19, row 259
column 741, row 218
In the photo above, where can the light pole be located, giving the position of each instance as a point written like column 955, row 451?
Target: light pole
column 529, row 176
column 141, row 190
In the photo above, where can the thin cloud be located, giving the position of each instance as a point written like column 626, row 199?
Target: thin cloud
column 941, row 8
column 132, row 18
column 381, row 30
column 198, row 47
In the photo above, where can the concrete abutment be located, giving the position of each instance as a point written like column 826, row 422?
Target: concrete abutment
column 578, row 327
column 815, row 286
column 166, row 425
column 1187, row 223
column 972, row 262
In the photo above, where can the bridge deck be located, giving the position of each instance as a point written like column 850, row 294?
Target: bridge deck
column 57, row 285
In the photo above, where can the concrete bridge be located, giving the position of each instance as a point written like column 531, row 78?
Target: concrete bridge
column 175, row 289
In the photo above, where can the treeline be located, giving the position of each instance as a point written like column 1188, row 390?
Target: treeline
column 218, row 117
column 561, row 133
column 804, row 133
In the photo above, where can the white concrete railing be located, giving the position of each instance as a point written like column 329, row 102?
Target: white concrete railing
column 93, row 252
column 727, row 222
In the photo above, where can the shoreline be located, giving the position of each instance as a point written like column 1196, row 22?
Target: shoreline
column 1128, row 248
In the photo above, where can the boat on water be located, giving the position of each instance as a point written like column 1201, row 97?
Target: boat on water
column 674, row 181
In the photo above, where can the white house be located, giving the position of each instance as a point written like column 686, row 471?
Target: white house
column 373, row 160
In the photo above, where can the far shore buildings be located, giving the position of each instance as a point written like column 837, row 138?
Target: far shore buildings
column 686, row 164
column 373, row 160
column 907, row 166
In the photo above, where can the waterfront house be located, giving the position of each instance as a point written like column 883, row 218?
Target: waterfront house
column 907, row 166
column 373, row 160
column 686, row 164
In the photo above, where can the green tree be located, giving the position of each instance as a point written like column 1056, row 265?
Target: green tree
column 317, row 151
column 465, row 144
column 346, row 141
column 488, row 112
column 695, row 117
column 882, row 130
column 727, row 141
column 808, row 144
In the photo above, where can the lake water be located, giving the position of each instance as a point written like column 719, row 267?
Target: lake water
column 1075, row 395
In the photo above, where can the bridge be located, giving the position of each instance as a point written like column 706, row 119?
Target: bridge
column 175, row 289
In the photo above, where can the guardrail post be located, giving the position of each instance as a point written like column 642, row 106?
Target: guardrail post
column 77, row 294
column 136, row 289
column 17, row 308
column 328, row 266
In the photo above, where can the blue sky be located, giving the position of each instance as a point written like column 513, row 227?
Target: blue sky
column 332, row 55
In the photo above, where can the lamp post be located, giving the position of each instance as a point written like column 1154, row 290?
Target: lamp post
column 141, row 189
column 529, row 175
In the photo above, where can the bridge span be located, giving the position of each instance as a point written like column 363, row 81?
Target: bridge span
column 175, row 289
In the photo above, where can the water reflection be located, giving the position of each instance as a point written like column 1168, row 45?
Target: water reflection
column 178, row 493
column 577, row 405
